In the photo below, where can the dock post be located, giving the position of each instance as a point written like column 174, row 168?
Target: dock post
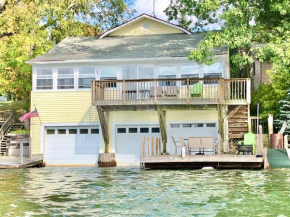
column 21, row 152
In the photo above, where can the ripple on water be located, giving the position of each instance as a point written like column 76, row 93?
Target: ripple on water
column 135, row 192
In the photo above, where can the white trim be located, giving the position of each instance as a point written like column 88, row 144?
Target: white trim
column 43, row 126
column 114, row 124
column 139, row 18
column 124, row 61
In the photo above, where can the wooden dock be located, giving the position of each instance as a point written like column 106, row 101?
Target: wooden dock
column 223, row 161
column 7, row 162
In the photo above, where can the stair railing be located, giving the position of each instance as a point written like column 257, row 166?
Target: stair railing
column 9, row 121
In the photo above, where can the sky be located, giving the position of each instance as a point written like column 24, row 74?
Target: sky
column 146, row 6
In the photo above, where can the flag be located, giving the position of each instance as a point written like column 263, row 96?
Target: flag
column 29, row 115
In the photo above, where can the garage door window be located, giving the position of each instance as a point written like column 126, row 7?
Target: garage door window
column 72, row 131
column 198, row 125
column 210, row 125
column 133, row 130
column 175, row 125
column 155, row 130
column 121, row 130
column 50, row 132
column 144, row 130
column 94, row 131
column 84, row 131
column 61, row 131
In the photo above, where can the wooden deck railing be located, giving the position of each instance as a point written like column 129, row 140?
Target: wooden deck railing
column 171, row 91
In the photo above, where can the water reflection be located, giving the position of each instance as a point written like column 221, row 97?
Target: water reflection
column 134, row 192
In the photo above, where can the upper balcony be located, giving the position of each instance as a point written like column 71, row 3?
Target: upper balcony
column 179, row 91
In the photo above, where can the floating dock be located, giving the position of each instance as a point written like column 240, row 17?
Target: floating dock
column 11, row 162
column 223, row 161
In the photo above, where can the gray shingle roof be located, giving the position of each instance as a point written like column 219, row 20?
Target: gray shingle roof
column 124, row 47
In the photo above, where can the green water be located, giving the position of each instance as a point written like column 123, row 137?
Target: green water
column 135, row 192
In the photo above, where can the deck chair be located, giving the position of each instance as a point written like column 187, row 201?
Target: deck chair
column 194, row 145
column 176, row 145
column 196, row 90
column 158, row 92
column 248, row 144
column 208, row 145
column 171, row 91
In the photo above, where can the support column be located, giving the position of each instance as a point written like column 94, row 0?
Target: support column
column 162, row 125
column 221, row 126
column 105, row 159
column 104, row 127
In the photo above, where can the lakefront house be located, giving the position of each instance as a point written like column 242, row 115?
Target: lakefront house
column 135, row 82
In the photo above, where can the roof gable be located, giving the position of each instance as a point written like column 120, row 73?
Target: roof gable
column 145, row 25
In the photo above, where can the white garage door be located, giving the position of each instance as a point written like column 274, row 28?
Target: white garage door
column 200, row 129
column 129, row 140
column 71, row 145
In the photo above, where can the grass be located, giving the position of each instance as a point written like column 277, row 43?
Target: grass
column 18, row 108
column 20, row 132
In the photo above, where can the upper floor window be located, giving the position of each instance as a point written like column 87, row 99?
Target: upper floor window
column 145, row 72
column 189, row 71
column 86, row 75
column 65, row 78
column 109, row 73
column 129, row 72
column 214, row 71
column 44, row 79
column 166, row 72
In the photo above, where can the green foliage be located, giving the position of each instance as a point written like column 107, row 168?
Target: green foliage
column 18, row 108
column 20, row 132
column 30, row 28
column 256, row 28
column 284, row 114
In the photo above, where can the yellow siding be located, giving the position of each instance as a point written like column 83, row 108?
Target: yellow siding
column 137, row 29
column 192, row 115
column 60, row 107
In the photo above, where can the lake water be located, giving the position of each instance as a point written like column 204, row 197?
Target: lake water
column 135, row 192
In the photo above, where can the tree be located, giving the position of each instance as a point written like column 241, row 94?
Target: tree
column 29, row 28
column 284, row 114
column 255, row 28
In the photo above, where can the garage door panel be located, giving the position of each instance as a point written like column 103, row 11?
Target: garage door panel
column 72, row 147
column 129, row 140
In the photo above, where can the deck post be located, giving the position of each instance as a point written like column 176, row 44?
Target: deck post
column 30, row 150
column 162, row 125
column 104, row 127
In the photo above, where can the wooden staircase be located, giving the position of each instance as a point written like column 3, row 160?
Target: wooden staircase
column 6, row 139
column 238, row 122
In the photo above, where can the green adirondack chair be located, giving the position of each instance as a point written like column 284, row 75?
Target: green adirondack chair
column 248, row 144
column 196, row 90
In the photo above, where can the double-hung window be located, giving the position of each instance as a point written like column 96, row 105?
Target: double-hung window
column 65, row 78
column 44, row 79
column 109, row 74
column 167, row 72
column 214, row 71
column 145, row 72
column 86, row 75
column 129, row 73
column 189, row 71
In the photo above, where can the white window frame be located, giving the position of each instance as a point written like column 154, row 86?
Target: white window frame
column 78, row 77
column 73, row 76
column 36, row 78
